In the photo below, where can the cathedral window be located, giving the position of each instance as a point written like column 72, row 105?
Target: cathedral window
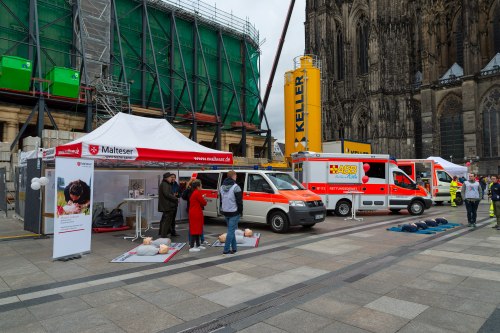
column 459, row 40
column 362, row 45
column 339, row 59
column 496, row 29
column 491, row 123
column 451, row 128
column 363, row 127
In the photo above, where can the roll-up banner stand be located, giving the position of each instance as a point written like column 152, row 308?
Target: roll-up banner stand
column 73, row 206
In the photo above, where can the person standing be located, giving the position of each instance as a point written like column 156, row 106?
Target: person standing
column 495, row 199
column 167, row 204
column 453, row 190
column 186, row 194
column 196, row 220
column 482, row 183
column 492, row 205
column 472, row 193
column 176, row 192
column 232, row 208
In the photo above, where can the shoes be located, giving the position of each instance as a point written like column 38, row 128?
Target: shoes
column 202, row 247
column 230, row 252
column 205, row 243
column 473, row 225
column 492, row 215
column 194, row 249
column 469, row 225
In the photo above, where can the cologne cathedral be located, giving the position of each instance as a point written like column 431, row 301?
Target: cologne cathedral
column 415, row 78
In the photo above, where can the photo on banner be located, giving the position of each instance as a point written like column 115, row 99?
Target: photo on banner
column 73, row 206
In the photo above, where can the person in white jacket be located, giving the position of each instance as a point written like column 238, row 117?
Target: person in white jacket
column 472, row 193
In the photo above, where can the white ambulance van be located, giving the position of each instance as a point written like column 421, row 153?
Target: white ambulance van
column 271, row 197
column 335, row 176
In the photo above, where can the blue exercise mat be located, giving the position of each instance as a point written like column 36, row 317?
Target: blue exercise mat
column 423, row 232
column 428, row 231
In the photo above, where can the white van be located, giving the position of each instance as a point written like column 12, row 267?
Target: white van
column 271, row 197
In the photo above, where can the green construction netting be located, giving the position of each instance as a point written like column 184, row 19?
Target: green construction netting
column 182, row 83
column 56, row 31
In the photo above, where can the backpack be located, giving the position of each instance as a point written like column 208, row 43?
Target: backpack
column 113, row 219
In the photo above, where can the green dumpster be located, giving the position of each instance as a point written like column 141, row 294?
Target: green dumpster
column 15, row 73
column 64, row 82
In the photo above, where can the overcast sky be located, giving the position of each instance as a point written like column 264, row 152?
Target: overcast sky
column 268, row 16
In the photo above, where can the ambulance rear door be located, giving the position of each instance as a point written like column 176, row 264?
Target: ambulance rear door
column 376, row 190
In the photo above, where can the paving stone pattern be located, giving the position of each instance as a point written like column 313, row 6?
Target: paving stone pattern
column 340, row 276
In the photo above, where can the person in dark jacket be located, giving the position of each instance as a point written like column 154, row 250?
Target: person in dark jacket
column 176, row 191
column 167, row 204
column 232, row 208
column 495, row 199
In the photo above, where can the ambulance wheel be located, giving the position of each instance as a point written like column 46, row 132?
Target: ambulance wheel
column 343, row 208
column 278, row 221
column 416, row 207
column 459, row 201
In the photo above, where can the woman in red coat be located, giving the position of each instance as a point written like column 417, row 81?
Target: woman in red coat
column 196, row 203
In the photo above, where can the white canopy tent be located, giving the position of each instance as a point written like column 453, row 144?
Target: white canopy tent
column 132, row 138
column 452, row 168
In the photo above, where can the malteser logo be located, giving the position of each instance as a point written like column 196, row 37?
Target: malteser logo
column 94, row 149
column 78, row 163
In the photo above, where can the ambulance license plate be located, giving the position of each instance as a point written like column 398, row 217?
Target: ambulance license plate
column 318, row 216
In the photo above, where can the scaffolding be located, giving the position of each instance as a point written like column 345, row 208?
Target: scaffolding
column 192, row 63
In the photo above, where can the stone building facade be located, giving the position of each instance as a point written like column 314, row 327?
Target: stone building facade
column 414, row 78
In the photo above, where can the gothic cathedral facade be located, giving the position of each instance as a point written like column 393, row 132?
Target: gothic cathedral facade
column 415, row 78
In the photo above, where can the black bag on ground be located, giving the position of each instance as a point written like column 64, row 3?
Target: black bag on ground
column 441, row 220
column 409, row 228
column 113, row 219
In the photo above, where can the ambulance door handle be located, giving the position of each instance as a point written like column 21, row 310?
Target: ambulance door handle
column 382, row 188
column 364, row 188
column 247, row 193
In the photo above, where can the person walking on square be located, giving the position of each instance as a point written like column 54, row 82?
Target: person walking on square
column 167, row 204
column 232, row 208
column 196, row 220
column 472, row 193
column 495, row 199
column 453, row 190
column 492, row 205
column 176, row 192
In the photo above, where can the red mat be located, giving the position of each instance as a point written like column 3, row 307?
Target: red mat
column 125, row 227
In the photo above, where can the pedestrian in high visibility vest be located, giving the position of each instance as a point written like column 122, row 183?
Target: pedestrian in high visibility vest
column 453, row 190
column 494, row 181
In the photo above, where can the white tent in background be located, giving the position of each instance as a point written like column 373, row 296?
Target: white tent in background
column 451, row 168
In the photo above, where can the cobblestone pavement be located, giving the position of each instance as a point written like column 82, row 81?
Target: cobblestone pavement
column 340, row 276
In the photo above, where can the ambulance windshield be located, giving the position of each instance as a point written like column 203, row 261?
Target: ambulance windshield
column 284, row 181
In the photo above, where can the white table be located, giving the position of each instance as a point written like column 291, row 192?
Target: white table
column 354, row 195
column 138, row 216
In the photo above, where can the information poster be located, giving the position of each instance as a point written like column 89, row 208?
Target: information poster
column 73, row 206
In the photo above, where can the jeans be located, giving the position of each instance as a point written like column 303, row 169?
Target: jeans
column 232, row 225
column 471, row 206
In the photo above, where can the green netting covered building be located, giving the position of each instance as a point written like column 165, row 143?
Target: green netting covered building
column 180, row 59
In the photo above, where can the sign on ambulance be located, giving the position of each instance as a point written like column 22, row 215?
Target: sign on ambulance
column 343, row 172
